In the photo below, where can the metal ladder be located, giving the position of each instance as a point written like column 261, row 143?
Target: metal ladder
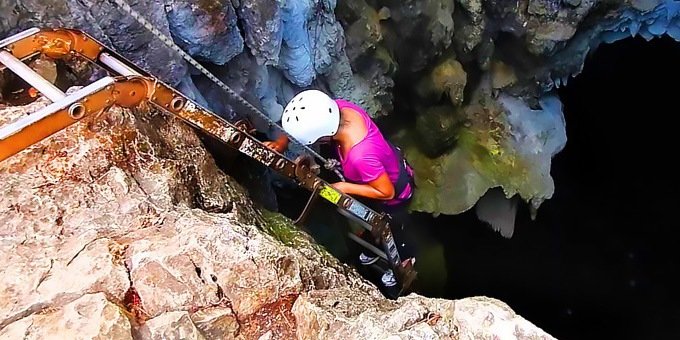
column 128, row 86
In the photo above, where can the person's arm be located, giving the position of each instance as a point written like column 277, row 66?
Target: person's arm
column 280, row 144
column 381, row 188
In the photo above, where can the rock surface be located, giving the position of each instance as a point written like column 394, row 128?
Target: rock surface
column 393, row 56
column 91, row 316
column 123, row 227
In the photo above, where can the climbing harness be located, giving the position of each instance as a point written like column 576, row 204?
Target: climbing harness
column 123, row 5
column 129, row 86
column 406, row 177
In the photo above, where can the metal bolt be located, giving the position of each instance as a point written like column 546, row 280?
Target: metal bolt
column 76, row 111
column 280, row 163
column 346, row 203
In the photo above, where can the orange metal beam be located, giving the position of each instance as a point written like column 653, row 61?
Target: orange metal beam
column 57, row 116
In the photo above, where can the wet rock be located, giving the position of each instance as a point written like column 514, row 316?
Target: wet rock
column 447, row 77
column 206, row 29
column 502, row 75
column 373, row 91
column 417, row 31
column 365, row 73
column 312, row 38
column 470, row 25
column 437, row 128
column 365, row 32
column 543, row 7
column 494, row 147
column 624, row 23
column 262, row 28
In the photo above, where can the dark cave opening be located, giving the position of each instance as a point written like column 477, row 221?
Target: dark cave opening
column 599, row 261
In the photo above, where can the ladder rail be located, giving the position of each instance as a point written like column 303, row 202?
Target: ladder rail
column 133, row 86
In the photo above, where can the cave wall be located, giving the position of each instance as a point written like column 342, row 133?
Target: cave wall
column 473, row 80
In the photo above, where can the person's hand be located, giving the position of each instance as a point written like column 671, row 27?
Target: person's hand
column 274, row 145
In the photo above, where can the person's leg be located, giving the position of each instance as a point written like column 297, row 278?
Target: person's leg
column 401, row 222
column 367, row 257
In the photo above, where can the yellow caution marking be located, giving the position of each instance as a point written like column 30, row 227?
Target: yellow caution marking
column 330, row 194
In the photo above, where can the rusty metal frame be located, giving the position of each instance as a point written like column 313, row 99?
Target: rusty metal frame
column 134, row 86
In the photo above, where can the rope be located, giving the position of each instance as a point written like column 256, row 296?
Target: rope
column 330, row 164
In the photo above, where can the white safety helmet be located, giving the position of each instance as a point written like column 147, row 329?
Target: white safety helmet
column 310, row 115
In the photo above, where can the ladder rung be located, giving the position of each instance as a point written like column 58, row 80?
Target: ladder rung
column 368, row 246
column 117, row 65
column 20, row 124
column 26, row 73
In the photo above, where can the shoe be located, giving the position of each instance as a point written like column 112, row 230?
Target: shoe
column 367, row 260
column 388, row 279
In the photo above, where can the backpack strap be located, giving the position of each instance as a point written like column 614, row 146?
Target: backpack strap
column 405, row 177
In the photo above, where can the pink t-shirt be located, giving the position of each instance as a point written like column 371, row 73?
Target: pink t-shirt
column 371, row 157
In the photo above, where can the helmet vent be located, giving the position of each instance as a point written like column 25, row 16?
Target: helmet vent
column 296, row 118
column 302, row 108
column 287, row 119
column 329, row 110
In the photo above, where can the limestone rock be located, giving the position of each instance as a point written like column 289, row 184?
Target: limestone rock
column 502, row 75
column 447, row 77
column 45, row 67
column 216, row 322
column 171, row 326
column 91, row 316
column 418, row 31
column 502, row 142
column 414, row 317
column 645, row 5
column 437, row 128
column 470, row 25
column 122, row 225
column 206, row 29
column 312, row 39
column 262, row 28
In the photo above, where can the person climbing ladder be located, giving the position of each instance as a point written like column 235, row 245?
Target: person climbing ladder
column 373, row 167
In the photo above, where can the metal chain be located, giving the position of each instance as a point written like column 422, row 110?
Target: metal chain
column 330, row 164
